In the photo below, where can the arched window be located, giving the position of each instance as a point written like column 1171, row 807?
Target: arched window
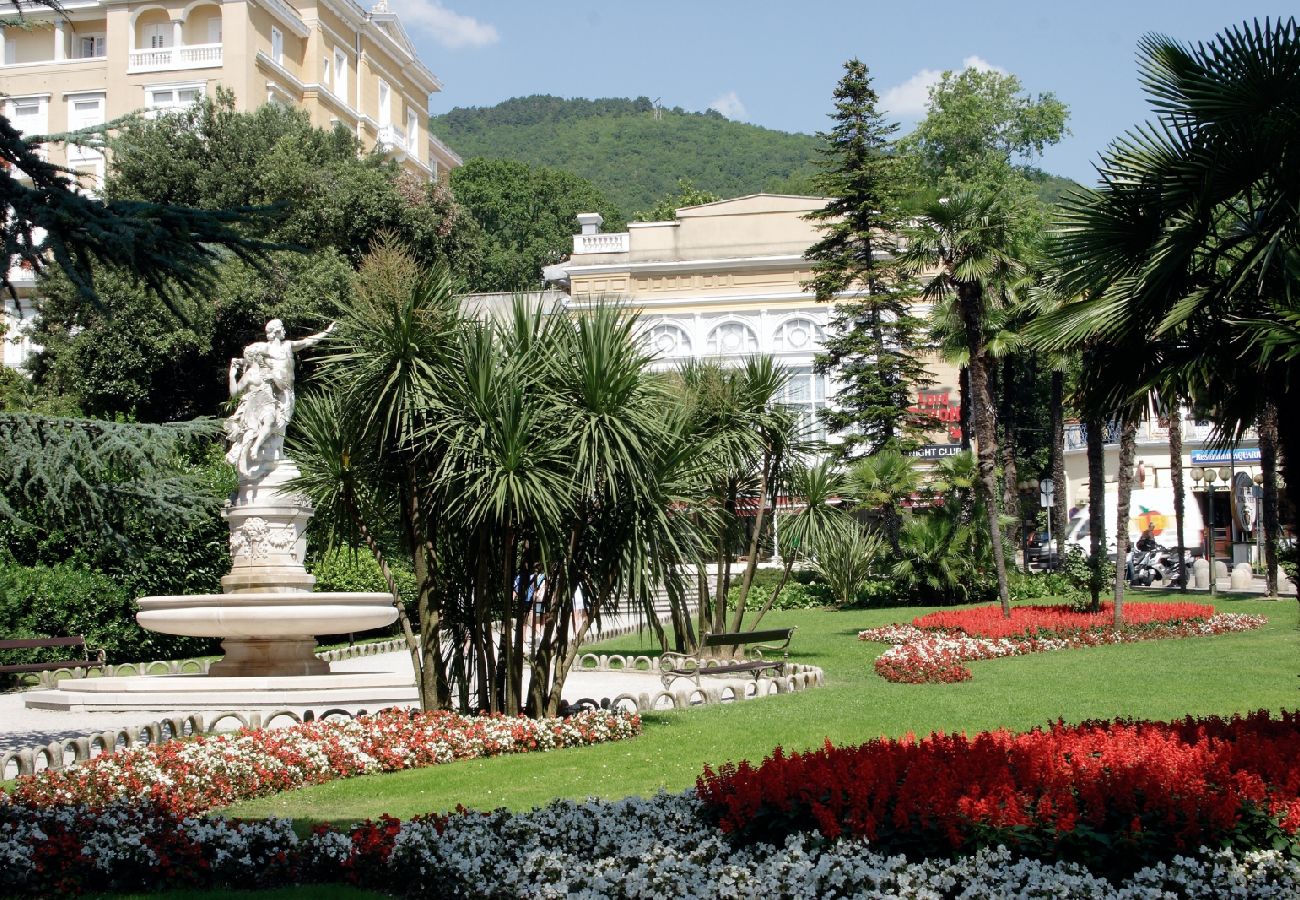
column 731, row 338
column 667, row 339
column 798, row 334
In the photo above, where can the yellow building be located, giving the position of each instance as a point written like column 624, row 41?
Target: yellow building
column 726, row 279
column 101, row 59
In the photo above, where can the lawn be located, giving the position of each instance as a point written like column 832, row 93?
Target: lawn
column 1154, row 679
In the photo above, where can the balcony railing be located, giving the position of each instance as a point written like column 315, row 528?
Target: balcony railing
column 391, row 138
column 1076, row 436
column 614, row 242
column 188, row 56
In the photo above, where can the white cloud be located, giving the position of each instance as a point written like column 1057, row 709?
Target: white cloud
column 447, row 27
column 910, row 99
column 730, row 105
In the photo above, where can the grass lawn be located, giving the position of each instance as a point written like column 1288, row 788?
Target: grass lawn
column 1153, row 679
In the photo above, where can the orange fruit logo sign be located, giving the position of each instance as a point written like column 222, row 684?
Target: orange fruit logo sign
column 1149, row 518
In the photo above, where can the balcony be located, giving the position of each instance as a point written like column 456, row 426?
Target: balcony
column 1148, row 432
column 612, row 242
column 186, row 56
column 390, row 138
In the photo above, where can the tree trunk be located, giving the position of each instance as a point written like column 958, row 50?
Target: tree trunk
column 1268, row 435
column 1124, row 489
column 1177, row 482
column 986, row 439
column 1096, row 508
column 1058, row 511
column 964, row 391
column 751, row 562
column 1008, row 449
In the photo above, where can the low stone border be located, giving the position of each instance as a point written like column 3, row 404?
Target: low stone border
column 69, row 751
column 49, row 679
column 798, row 677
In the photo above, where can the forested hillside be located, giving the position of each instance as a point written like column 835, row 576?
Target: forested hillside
column 636, row 155
column 633, row 154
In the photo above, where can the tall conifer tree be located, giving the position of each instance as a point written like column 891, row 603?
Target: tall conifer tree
column 874, row 343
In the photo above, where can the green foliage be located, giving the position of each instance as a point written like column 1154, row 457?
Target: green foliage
column 844, row 559
column 67, row 599
column 977, row 124
column 873, row 345
column 686, row 194
column 353, row 569
column 793, row 596
column 634, row 156
column 45, row 217
column 529, row 214
column 1043, row 586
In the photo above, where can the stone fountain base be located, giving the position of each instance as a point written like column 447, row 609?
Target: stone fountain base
column 209, row 693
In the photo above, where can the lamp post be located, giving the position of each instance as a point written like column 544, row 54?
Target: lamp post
column 1207, row 475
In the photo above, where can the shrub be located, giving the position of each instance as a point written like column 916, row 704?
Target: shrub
column 67, row 599
column 793, row 596
column 844, row 559
column 350, row 569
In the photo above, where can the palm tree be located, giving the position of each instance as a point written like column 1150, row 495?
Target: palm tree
column 971, row 239
column 1192, row 240
column 884, row 482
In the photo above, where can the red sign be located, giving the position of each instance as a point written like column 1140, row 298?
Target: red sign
column 939, row 406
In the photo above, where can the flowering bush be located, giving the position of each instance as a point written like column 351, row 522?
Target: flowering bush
column 652, row 848
column 1111, row 794
column 189, row 776
column 933, row 647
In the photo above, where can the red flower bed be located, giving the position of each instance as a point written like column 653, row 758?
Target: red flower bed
column 1122, row 793
column 1057, row 621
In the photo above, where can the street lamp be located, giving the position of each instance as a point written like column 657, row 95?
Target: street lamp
column 1208, row 475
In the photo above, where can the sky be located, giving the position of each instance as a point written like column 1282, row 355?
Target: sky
column 775, row 64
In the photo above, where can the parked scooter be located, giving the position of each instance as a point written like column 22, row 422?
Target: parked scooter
column 1157, row 563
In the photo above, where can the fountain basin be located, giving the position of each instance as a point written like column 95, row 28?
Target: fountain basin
column 267, row 614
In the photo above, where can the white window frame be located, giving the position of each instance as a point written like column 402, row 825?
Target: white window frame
column 277, row 46
column 37, row 121
column 176, row 89
column 385, row 104
column 412, row 131
column 98, row 42
column 86, row 118
column 341, row 73
column 157, row 36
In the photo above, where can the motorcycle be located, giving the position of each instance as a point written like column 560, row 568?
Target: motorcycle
column 1157, row 563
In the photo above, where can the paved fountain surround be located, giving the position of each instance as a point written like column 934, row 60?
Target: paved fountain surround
column 267, row 619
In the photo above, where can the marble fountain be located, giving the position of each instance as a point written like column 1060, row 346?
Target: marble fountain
column 267, row 615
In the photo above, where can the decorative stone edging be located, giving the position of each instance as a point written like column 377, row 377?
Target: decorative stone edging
column 799, row 677
column 55, row 754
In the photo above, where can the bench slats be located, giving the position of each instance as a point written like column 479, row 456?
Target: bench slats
column 51, row 665
column 737, row 638
column 693, row 666
column 38, row 643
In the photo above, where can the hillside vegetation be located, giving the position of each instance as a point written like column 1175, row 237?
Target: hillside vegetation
column 636, row 157
column 632, row 155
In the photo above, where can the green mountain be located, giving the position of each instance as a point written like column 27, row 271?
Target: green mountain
column 634, row 153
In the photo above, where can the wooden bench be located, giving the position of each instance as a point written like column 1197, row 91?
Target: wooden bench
column 687, row 665
column 41, row 643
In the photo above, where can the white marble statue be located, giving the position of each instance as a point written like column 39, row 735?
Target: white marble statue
column 263, row 382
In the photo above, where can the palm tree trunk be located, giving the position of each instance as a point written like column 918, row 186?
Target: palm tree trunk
column 1177, row 482
column 751, row 562
column 986, row 439
column 1008, row 449
column 964, row 392
column 1058, row 512
column 1124, row 487
column 1268, row 435
column 1096, row 507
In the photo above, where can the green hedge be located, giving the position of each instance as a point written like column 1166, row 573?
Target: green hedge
column 67, row 599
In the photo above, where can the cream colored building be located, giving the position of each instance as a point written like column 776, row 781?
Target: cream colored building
column 725, row 280
column 101, row 59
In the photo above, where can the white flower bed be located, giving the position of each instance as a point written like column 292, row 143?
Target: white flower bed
column 651, row 848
